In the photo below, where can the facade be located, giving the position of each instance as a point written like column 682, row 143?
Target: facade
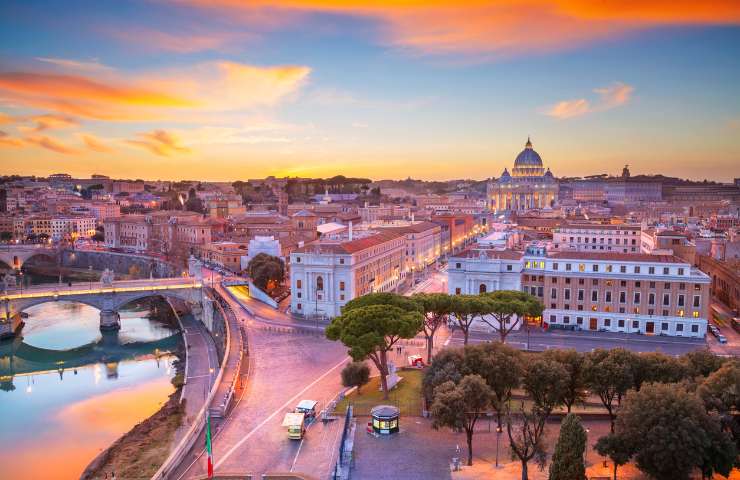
column 600, row 291
column 224, row 254
column 527, row 187
column 627, row 190
column 587, row 237
column 61, row 227
column 325, row 275
column 423, row 244
column 725, row 277
column 667, row 242
column 457, row 231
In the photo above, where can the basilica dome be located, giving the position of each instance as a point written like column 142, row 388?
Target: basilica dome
column 528, row 163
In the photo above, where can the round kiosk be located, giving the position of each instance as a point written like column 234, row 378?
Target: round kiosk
column 385, row 419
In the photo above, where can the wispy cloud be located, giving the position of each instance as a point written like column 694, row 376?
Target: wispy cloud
column 159, row 142
column 94, row 144
column 613, row 96
column 197, row 40
column 69, row 64
column 487, row 27
column 49, row 122
column 7, row 141
column 50, row 144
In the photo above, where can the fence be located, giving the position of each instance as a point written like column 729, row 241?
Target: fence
column 346, row 446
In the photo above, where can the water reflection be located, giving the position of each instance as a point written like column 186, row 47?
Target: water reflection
column 67, row 391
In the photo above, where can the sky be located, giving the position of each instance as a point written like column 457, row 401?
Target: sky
column 435, row 89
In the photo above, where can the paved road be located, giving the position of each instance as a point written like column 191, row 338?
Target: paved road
column 587, row 341
column 284, row 368
column 436, row 282
column 732, row 347
column 202, row 368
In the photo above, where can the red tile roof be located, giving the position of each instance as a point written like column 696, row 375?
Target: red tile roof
column 349, row 247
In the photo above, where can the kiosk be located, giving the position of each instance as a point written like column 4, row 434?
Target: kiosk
column 385, row 419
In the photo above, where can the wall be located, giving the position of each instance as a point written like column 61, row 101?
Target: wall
column 120, row 263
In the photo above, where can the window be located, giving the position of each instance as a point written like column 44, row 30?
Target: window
column 652, row 284
column 580, row 295
column 595, row 267
column 341, row 261
column 581, row 267
column 621, row 323
column 695, row 329
column 554, row 280
column 299, row 306
column 567, row 267
column 608, row 268
column 636, row 299
column 682, row 286
column 622, row 297
column 608, row 297
column 680, row 300
column 637, row 284
column 595, row 281
column 482, row 288
column 509, row 267
column 567, row 293
column 637, row 269
column 664, row 326
column 651, row 299
column 532, row 290
column 666, row 299
column 319, row 283
column 553, row 319
column 579, row 320
column 667, row 285
column 666, row 270
column 567, row 281
column 695, row 314
column 553, row 293
column 697, row 300
column 651, row 270
column 635, row 324
column 555, row 266
column 622, row 269
column 298, row 283
column 581, row 281
column 341, row 297
column 458, row 265
column 457, row 291
column 594, row 295
column 607, row 322
column 566, row 320
column 298, row 294
column 540, row 291
column 681, row 312
column 341, row 285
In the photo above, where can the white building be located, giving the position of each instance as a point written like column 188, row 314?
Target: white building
column 326, row 274
column 588, row 237
column 261, row 244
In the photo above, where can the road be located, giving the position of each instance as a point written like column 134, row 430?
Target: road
column 436, row 282
column 586, row 341
column 285, row 367
column 732, row 347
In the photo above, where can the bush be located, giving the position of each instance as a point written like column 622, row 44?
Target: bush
column 355, row 374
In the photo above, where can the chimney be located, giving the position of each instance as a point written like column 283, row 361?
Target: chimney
column 350, row 230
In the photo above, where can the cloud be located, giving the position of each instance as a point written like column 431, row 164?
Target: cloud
column 159, row 142
column 94, row 144
column 207, row 87
column 613, row 96
column 50, row 144
column 65, row 63
column 5, row 119
column 48, row 122
column 491, row 28
column 181, row 42
column 8, row 141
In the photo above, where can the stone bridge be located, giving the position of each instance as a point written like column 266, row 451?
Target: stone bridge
column 14, row 256
column 106, row 297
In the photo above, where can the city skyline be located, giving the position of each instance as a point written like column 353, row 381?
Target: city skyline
column 384, row 90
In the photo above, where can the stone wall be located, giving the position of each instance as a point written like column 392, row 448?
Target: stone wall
column 120, row 263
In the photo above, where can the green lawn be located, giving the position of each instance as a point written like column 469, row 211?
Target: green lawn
column 406, row 395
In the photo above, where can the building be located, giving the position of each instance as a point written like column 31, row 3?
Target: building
column 667, row 242
column 527, row 187
column 423, row 244
column 587, row 237
column 175, row 232
column 61, row 227
column 227, row 255
column 599, row 291
column 326, row 274
column 260, row 244
column 725, row 275
column 457, row 231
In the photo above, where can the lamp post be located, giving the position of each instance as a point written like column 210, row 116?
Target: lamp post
column 585, row 450
column 498, row 438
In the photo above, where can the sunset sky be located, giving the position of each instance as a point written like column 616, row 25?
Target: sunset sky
column 229, row 89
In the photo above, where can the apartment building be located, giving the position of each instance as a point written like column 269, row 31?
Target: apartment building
column 599, row 291
column 61, row 227
column 587, row 237
column 326, row 274
column 667, row 242
column 423, row 244
column 168, row 232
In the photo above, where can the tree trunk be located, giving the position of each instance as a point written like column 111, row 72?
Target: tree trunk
column 615, row 470
column 567, row 405
column 383, row 374
column 465, row 333
column 525, row 475
column 469, row 434
column 430, row 347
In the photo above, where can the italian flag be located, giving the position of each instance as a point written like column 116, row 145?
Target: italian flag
column 209, row 448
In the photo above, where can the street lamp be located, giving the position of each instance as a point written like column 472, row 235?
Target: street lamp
column 498, row 438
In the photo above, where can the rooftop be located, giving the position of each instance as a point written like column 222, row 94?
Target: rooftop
column 621, row 257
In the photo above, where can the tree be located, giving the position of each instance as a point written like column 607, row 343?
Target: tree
column 508, row 308
column 447, row 365
column 672, row 435
column 575, row 385
column 545, row 382
column 720, row 393
column 436, row 307
column 372, row 331
column 266, row 271
column 652, row 367
column 567, row 460
column 526, row 432
column 460, row 406
column 355, row 374
column 616, row 448
column 501, row 366
column 701, row 362
column 608, row 376
column 465, row 309
column 6, row 236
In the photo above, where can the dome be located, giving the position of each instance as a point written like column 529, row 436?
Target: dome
column 528, row 157
column 505, row 177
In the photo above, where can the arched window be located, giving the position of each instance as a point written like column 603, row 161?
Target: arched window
column 482, row 288
column 319, row 283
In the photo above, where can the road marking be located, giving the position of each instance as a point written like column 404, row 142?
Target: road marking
column 292, row 467
column 272, row 415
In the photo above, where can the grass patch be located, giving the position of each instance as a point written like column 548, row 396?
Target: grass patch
column 406, row 396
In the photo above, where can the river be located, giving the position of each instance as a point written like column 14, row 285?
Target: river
column 67, row 391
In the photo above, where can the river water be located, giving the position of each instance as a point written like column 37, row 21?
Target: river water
column 67, row 391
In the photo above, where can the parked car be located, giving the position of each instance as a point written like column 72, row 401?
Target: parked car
column 721, row 338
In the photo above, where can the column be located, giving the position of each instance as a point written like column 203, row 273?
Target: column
column 109, row 320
